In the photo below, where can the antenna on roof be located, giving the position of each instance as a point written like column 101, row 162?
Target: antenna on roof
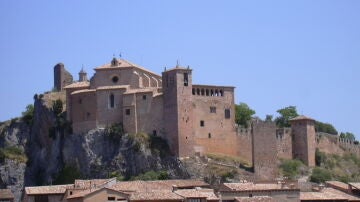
column 113, row 55
column 177, row 63
column 164, row 68
column 120, row 55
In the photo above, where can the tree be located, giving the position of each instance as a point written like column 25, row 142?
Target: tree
column 325, row 128
column 28, row 114
column 320, row 175
column 269, row 118
column 286, row 114
column 57, row 106
column 347, row 135
column 243, row 114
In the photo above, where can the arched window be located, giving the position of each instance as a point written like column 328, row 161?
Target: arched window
column 112, row 101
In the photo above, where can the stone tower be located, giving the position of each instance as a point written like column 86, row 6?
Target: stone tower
column 303, row 131
column 264, row 150
column 178, row 112
column 82, row 75
column 62, row 77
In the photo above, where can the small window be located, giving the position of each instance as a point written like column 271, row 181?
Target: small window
column 80, row 101
column 112, row 101
column 154, row 133
column 209, row 135
column 71, row 192
column 212, row 109
column 250, row 195
column 202, row 123
column 186, row 79
column 227, row 113
column 115, row 79
column 193, row 91
column 111, row 198
column 144, row 97
column 127, row 111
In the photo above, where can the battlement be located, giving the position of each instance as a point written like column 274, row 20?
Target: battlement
column 211, row 91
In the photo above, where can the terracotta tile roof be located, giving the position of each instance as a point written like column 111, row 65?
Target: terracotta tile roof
column 158, row 185
column 255, row 198
column 83, row 193
column 155, row 196
column 301, row 117
column 143, row 90
column 6, row 194
column 197, row 193
column 337, row 184
column 327, row 194
column 124, row 64
column 249, row 186
column 113, row 87
column 355, row 185
column 78, row 85
column 83, row 91
column 54, row 189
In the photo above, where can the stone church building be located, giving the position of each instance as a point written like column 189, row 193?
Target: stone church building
column 192, row 118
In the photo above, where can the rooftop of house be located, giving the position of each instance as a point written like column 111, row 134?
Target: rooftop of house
column 337, row 185
column 250, row 186
column 355, row 185
column 197, row 193
column 255, row 198
column 6, row 194
column 155, row 196
column 94, row 183
column 326, row 194
column 144, row 186
column 53, row 189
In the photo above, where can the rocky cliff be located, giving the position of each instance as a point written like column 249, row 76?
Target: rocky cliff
column 44, row 151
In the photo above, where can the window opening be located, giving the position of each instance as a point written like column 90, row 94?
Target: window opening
column 127, row 111
column 144, row 97
column 186, row 79
column 115, row 79
column 112, row 101
column 202, row 123
column 227, row 113
column 212, row 109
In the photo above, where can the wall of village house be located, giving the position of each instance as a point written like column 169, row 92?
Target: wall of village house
column 83, row 111
column 107, row 114
column 103, row 196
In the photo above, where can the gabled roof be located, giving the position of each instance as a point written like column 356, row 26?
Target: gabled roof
column 6, row 194
column 301, row 117
column 327, row 194
column 81, row 84
column 255, row 198
column 94, row 183
column 249, row 186
column 197, row 193
column 87, row 192
column 156, row 195
column 337, row 185
column 124, row 64
column 355, row 185
column 42, row 190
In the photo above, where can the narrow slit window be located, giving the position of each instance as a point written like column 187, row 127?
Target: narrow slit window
column 186, row 79
column 202, row 123
column 112, row 101
column 227, row 114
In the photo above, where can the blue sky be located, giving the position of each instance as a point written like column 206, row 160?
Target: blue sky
column 276, row 53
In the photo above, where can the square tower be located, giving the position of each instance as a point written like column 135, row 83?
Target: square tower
column 303, row 131
column 178, row 110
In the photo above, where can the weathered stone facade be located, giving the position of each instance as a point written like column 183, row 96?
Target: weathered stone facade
column 62, row 77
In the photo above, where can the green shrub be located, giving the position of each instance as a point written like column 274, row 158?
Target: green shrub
column 159, row 145
column 115, row 131
column 320, row 175
column 152, row 175
column 28, row 115
column 57, row 107
column 67, row 175
column 14, row 153
column 118, row 176
column 291, row 168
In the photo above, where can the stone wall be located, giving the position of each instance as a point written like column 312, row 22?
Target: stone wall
column 264, row 150
column 284, row 143
column 62, row 77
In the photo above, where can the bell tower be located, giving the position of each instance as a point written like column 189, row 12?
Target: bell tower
column 178, row 110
